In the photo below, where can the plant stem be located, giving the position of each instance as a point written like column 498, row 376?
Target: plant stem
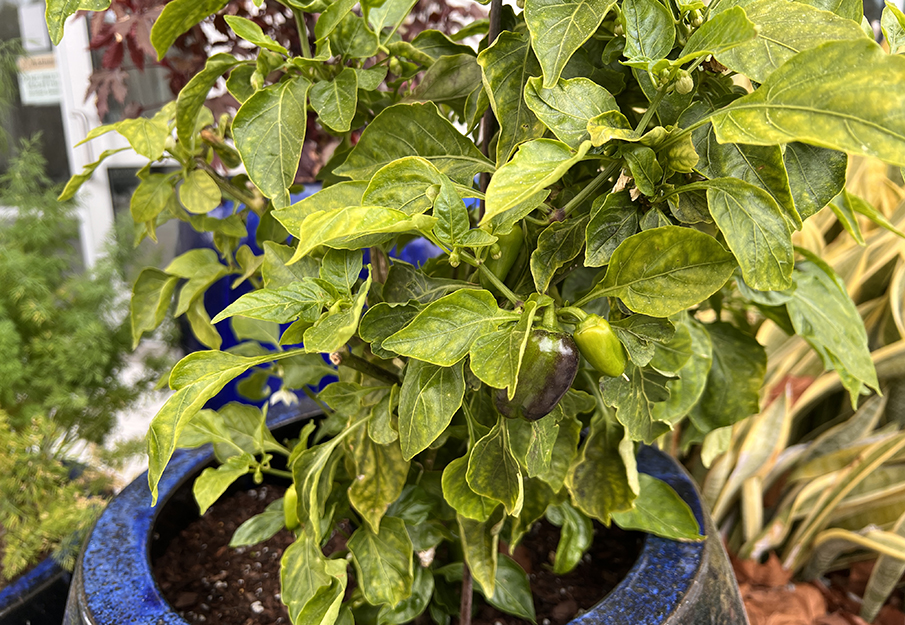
column 488, row 123
column 649, row 113
column 575, row 313
column 348, row 359
column 277, row 473
column 307, row 391
column 494, row 280
column 302, row 27
column 251, row 201
column 465, row 605
column 592, row 187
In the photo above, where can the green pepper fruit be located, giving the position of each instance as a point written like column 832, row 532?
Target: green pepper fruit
column 510, row 244
column 548, row 369
column 600, row 346
column 290, row 508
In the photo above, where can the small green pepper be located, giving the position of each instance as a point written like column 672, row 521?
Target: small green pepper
column 547, row 372
column 290, row 508
column 510, row 244
column 600, row 346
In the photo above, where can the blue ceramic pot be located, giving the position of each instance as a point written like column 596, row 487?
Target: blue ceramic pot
column 37, row 597
column 671, row 583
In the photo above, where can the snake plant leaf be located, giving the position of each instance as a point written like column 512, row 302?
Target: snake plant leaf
column 603, row 480
column 269, row 130
column 784, row 29
column 824, row 315
column 176, row 18
column 650, row 30
column 383, row 561
column 429, row 398
column 756, row 231
column 663, row 271
column 507, row 65
column 414, row 130
column 848, row 108
column 734, row 381
column 493, row 472
column 659, row 510
column 558, row 29
column 884, row 577
column 816, row 176
column 535, row 166
column 568, row 106
column 335, row 100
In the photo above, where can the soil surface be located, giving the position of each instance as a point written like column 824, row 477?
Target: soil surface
column 208, row 582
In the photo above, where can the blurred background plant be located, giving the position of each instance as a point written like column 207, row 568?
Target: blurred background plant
column 813, row 480
column 46, row 504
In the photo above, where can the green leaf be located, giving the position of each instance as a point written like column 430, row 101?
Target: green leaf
column 459, row 494
column 303, row 299
column 494, row 473
column 847, row 109
column 383, row 320
column 480, row 542
column 414, row 130
column 355, row 227
column 335, row 100
column 249, row 31
column 269, row 130
column 603, row 480
column 383, row 561
column 351, row 40
column 892, row 22
column 201, row 325
column 643, row 165
column 407, row 283
column 634, row 400
column 756, row 231
column 535, row 166
column 507, row 65
column 303, row 571
column 610, row 125
column 196, row 378
column 824, row 315
column 558, row 29
column 784, row 29
column 199, row 193
column 557, row 245
column 150, row 197
column 538, row 497
column 640, row 335
column 177, row 17
column 341, row 269
column 147, row 137
column 389, row 14
column 402, row 185
column 453, row 227
column 565, row 450
column 849, row 9
column 650, row 31
column 331, row 17
column 151, row 297
column 260, row 527
column 333, row 330
column 429, row 398
column 239, row 82
column 325, row 606
column 56, row 13
column 816, row 176
column 659, row 510
column 332, row 198
column 380, row 473
column 213, row 482
column 496, row 357
column 568, row 106
column 192, row 97
column 614, row 218
column 863, row 207
column 409, row 609
column 847, row 217
column 277, row 273
column 313, row 471
column 76, row 182
column 577, row 535
column 201, row 267
column 663, row 271
column 512, row 590
column 671, row 356
column 450, row 78
column 443, row 332
column 718, row 35
column 734, row 381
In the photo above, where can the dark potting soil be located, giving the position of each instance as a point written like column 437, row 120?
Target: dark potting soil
column 208, row 582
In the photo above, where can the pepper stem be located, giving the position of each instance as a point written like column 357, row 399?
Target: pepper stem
column 571, row 311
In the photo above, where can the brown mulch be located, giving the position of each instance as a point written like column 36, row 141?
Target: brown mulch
column 772, row 598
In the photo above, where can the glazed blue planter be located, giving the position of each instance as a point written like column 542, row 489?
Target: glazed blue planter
column 672, row 583
column 37, row 597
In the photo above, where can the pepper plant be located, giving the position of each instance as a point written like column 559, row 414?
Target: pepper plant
column 616, row 187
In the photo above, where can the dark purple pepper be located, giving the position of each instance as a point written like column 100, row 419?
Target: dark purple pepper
column 548, row 370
